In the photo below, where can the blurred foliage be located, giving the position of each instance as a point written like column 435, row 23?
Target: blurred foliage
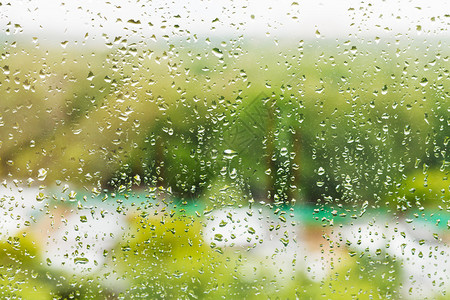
column 421, row 189
column 321, row 123
column 19, row 268
column 25, row 275
column 316, row 122
column 167, row 258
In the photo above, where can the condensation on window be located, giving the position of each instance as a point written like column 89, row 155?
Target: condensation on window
column 226, row 149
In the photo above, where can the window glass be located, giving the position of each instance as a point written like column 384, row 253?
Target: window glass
column 224, row 149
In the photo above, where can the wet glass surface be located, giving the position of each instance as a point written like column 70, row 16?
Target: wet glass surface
column 226, row 149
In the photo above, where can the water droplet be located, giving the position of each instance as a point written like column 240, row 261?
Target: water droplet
column 42, row 174
column 40, row 197
column 233, row 174
column 407, row 130
column 90, row 76
column 424, row 81
column 317, row 33
column 72, row 195
column 217, row 52
column 229, row 154
column 6, row 70
column 137, row 179
column 284, row 241
column 134, row 22
column 321, row 171
column 223, row 171
column 80, row 260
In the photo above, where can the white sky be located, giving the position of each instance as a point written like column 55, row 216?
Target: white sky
column 333, row 18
